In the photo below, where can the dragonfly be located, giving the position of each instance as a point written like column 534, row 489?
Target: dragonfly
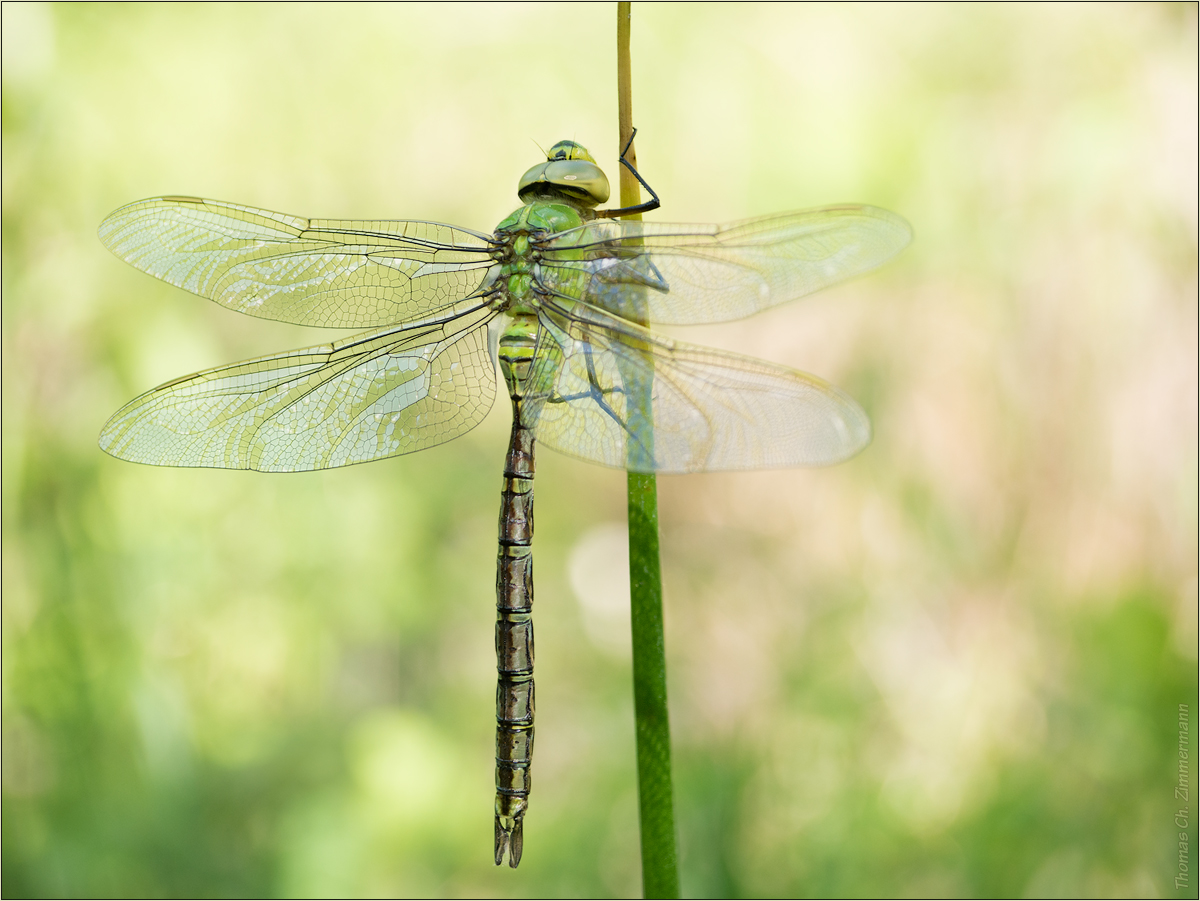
column 559, row 297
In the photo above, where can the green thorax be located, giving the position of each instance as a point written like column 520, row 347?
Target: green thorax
column 518, row 234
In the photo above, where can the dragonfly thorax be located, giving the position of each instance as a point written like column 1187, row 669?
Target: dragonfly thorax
column 513, row 285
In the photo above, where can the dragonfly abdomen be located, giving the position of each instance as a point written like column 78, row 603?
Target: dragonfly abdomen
column 514, row 605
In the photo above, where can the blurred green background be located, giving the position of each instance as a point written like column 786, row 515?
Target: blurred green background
column 952, row 666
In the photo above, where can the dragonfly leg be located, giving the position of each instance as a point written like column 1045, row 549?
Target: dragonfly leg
column 645, row 207
column 514, row 644
column 598, row 394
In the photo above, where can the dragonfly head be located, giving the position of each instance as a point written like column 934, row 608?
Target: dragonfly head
column 570, row 172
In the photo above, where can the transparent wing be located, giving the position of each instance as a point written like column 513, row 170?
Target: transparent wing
column 616, row 394
column 376, row 395
column 323, row 272
column 690, row 274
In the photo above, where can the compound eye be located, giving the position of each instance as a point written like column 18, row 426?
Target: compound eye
column 581, row 180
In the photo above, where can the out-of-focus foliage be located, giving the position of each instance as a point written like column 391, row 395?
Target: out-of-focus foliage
column 950, row 667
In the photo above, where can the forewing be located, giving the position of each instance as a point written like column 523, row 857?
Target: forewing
column 323, row 272
column 619, row 395
column 690, row 274
column 376, row 395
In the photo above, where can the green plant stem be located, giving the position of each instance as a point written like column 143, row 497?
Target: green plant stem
column 656, row 805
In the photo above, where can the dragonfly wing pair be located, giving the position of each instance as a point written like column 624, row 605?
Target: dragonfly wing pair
column 421, row 378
